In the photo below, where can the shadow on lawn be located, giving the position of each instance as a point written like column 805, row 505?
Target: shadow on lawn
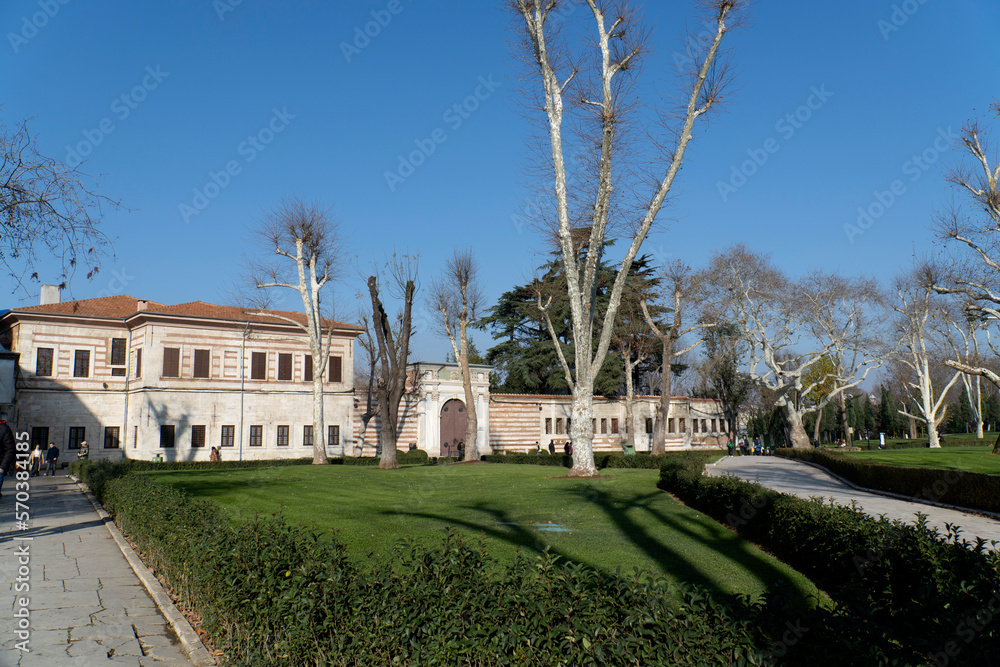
column 721, row 541
column 671, row 561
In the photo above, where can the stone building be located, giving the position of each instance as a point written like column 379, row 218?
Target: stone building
column 145, row 380
column 141, row 379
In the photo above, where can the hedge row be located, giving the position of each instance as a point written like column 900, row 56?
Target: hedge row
column 273, row 594
column 912, row 595
column 954, row 487
column 601, row 460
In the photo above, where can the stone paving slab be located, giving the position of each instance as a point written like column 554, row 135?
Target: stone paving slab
column 85, row 604
column 805, row 481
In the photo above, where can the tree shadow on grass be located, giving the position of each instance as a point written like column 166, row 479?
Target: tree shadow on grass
column 715, row 537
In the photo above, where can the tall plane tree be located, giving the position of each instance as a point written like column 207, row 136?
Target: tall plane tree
column 680, row 285
column 306, row 243
column 586, row 85
column 976, row 276
column 393, row 348
column 457, row 296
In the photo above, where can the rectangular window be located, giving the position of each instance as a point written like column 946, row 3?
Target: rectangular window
column 694, row 425
column 258, row 366
column 284, row 367
column 135, row 437
column 117, row 351
column 559, row 426
column 43, row 363
column 81, row 364
column 334, row 433
column 202, row 363
column 166, row 436
column 77, row 434
column 649, row 425
column 112, row 437
column 682, row 425
column 548, row 425
column 670, row 425
column 604, row 425
column 39, row 436
column 257, row 436
column 138, row 363
column 614, row 425
column 228, row 436
column 704, row 426
column 336, row 373
column 713, row 427
column 198, row 435
column 307, row 368
column 118, row 371
column 171, row 362
column 307, row 436
column 283, row 435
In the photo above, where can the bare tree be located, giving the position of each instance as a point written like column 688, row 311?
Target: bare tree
column 457, row 295
column 830, row 316
column 918, row 311
column 962, row 335
column 599, row 97
column 393, row 349
column 975, row 275
column 365, row 380
column 46, row 208
column 306, row 240
column 680, row 285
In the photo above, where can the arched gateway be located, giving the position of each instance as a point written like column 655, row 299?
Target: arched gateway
column 453, row 423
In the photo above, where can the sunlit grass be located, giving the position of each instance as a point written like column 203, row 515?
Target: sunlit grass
column 620, row 520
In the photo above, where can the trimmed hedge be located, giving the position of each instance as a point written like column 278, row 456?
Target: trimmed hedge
column 953, row 487
column 273, row 594
column 910, row 593
column 601, row 460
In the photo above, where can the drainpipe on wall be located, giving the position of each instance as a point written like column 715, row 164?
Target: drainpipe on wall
column 123, row 441
column 243, row 352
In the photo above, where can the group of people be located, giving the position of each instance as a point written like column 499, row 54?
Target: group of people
column 49, row 459
column 747, row 447
column 567, row 447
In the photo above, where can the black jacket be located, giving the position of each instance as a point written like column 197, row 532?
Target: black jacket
column 8, row 448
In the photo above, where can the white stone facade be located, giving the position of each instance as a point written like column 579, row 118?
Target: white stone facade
column 235, row 381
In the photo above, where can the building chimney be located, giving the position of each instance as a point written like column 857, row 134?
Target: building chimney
column 141, row 304
column 50, row 294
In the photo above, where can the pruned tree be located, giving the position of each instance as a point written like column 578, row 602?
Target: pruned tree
column 307, row 246
column 680, row 286
column 791, row 326
column 722, row 372
column 975, row 273
column 962, row 335
column 47, row 210
column 918, row 311
column 393, row 348
column 580, row 87
column 457, row 295
column 365, row 379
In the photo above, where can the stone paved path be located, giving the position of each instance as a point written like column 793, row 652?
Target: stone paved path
column 85, row 604
column 799, row 479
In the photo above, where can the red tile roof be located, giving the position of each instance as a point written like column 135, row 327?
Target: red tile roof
column 122, row 306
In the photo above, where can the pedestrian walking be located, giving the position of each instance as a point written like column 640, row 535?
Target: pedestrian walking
column 36, row 461
column 84, row 452
column 8, row 448
column 51, row 459
column 552, row 447
column 729, row 446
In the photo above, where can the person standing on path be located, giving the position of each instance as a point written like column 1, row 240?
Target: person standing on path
column 51, row 459
column 8, row 447
column 84, row 452
column 36, row 461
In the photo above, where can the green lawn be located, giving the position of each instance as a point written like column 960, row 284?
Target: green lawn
column 968, row 459
column 621, row 519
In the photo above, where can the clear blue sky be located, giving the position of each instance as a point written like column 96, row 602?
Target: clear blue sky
column 342, row 121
